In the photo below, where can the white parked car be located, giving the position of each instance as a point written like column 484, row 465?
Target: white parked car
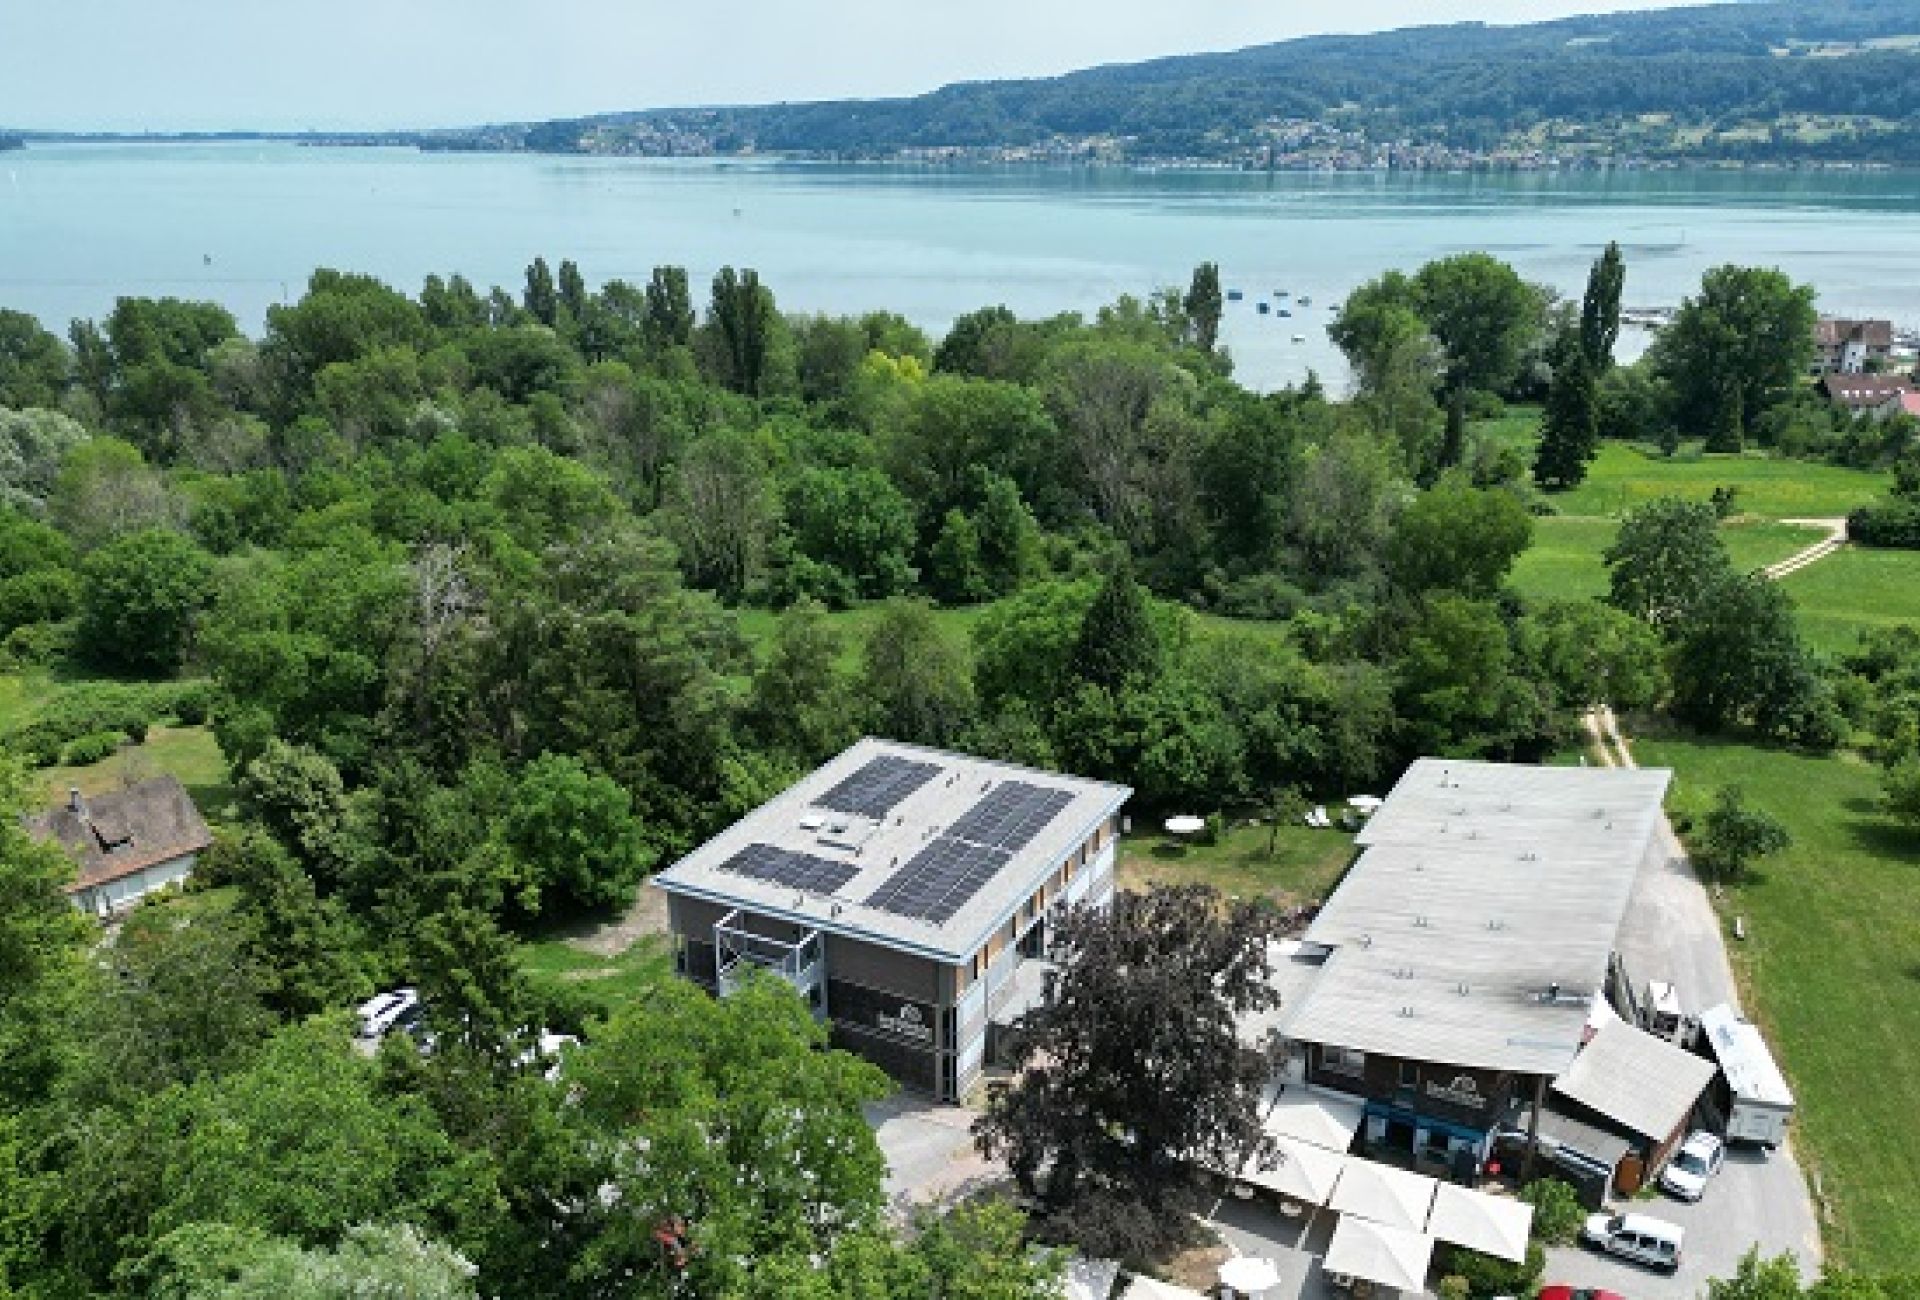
column 381, row 1012
column 1698, row 1159
column 1636, row 1237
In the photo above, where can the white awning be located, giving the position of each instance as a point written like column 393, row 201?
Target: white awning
column 1383, row 1194
column 1326, row 1121
column 1386, row 1256
column 1145, row 1288
column 1492, row 1225
column 1298, row 1170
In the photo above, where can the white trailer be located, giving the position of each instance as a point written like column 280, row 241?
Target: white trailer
column 1759, row 1103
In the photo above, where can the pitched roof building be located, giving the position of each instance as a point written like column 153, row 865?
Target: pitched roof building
column 1460, row 957
column 125, row 843
column 1845, row 346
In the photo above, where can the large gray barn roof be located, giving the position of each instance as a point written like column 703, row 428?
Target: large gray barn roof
column 1476, row 926
column 873, row 849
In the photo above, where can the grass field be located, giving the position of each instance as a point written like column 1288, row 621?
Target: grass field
column 607, row 982
column 1625, row 476
column 1304, row 865
column 1564, row 561
column 1853, row 591
column 1832, row 968
column 189, row 753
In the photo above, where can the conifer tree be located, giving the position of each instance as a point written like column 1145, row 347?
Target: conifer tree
column 1569, row 431
column 1118, row 642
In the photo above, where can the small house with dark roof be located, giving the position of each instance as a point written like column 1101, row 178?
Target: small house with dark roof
column 1848, row 347
column 126, row 843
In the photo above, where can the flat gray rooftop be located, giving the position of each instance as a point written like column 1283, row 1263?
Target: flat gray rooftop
column 1475, row 928
column 918, row 800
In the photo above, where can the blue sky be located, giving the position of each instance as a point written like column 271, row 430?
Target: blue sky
column 206, row 64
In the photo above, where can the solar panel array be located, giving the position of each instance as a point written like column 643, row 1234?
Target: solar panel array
column 937, row 881
column 877, row 786
column 786, row 867
column 1010, row 815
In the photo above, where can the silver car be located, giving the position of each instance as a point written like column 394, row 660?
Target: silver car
column 1698, row 1159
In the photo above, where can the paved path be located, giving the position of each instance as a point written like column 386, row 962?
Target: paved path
column 1835, row 539
column 1673, row 933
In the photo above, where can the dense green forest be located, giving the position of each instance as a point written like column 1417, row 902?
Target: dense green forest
column 494, row 601
column 1831, row 79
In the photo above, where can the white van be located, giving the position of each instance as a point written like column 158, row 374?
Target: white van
column 1636, row 1237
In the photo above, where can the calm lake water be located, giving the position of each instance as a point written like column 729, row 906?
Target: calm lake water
column 243, row 224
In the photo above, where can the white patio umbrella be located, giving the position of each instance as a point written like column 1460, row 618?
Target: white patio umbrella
column 1249, row 1274
column 1383, row 1194
column 1186, row 825
column 1296, row 1170
column 1387, row 1256
column 1492, row 1225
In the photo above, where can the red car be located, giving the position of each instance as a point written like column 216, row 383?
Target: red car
column 1578, row 1293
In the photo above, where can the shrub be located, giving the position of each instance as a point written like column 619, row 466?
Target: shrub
column 123, row 709
column 190, row 703
column 1895, row 525
column 36, row 645
column 91, row 748
column 1557, row 1212
column 43, row 596
column 1487, row 1275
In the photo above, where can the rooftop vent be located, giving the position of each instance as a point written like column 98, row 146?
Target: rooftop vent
column 1461, row 988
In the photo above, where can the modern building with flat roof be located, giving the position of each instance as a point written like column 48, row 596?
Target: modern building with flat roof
column 906, row 892
column 1458, row 960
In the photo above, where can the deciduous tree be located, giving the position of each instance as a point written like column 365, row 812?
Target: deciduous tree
column 1135, row 1077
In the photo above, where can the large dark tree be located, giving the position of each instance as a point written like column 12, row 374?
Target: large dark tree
column 1136, row 1078
column 1484, row 315
column 1570, row 428
column 742, row 320
column 1600, row 309
column 1666, row 560
column 1735, row 348
column 1118, row 641
column 541, row 298
column 669, row 318
column 1203, row 305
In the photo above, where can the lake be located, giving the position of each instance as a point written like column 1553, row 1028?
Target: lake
column 243, row 224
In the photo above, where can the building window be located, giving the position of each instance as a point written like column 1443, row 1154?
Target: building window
column 1343, row 1060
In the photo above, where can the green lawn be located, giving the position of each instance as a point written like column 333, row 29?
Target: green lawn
column 1855, row 590
column 1564, row 561
column 1624, row 476
column 190, row 753
column 1304, row 865
column 607, row 982
column 1832, row 968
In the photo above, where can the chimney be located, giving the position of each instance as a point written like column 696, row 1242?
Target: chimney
column 73, row 800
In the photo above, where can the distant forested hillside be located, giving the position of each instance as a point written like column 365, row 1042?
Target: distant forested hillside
column 1832, row 79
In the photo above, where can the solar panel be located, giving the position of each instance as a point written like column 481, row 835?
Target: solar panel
column 1010, row 815
column 878, row 785
column 937, row 881
column 794, row 870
